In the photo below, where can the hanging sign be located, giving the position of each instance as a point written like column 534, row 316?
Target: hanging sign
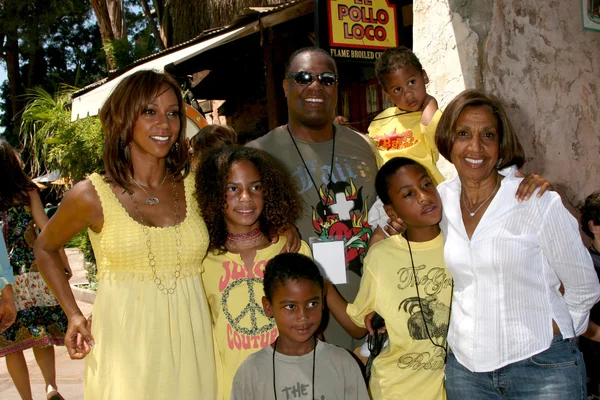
column 359, row 30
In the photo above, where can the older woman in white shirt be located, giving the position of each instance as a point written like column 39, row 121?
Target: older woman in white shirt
column 512, row 331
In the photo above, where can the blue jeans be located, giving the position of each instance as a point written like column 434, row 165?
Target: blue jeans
column 554, row 374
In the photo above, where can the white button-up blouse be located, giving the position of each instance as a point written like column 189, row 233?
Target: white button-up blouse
column 507, row 276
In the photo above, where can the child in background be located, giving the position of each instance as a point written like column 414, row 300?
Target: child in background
column 590, row 224
column 297, row 365
column 405, row 281
column 245, row 195
column 407, row 130
column 40, row 323
column 209, row 137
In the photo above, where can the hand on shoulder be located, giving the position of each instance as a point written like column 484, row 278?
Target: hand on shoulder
column 530, row 184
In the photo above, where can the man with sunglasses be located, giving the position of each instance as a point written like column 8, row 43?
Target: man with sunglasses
column 334, row 168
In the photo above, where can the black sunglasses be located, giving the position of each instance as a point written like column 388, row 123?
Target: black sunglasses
column 306, row 78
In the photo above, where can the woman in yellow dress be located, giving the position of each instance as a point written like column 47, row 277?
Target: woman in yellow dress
column 151, row 337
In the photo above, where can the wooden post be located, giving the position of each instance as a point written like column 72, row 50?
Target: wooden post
column 272, row 83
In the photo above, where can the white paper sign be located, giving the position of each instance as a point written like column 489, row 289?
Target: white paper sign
column 331, row 259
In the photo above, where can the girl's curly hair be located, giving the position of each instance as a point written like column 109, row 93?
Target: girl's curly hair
column 282, row 204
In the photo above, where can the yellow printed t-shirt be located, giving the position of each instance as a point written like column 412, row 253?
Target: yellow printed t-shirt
column 404, row 136
column 410, row 367
column 235, row 294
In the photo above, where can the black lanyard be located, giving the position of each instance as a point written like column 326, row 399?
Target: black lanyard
column 306, row 166
column 445, row 346
column 313, row 369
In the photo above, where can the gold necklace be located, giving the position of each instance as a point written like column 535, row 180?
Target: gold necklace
column 151, row 258
column 472, row 213
column 151, row 200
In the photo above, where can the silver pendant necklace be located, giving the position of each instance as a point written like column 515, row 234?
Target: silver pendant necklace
column 178, row 238
column 151, row 200
column 472, row 213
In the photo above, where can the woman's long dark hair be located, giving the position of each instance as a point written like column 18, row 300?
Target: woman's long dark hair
column 15, row 184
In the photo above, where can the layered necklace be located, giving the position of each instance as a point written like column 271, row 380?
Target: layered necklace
column 243, row 241
column 178, row 241
column 151, row 200
column 464, row 199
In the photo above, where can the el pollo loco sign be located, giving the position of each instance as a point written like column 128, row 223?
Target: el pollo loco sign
column 364, row 24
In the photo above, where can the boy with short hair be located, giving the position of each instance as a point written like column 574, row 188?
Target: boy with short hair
column 590, row 224
column 297, row 365
column 406, row 282
column 408, row 129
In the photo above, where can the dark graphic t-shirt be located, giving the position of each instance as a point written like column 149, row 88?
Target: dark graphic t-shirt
column 336, row 209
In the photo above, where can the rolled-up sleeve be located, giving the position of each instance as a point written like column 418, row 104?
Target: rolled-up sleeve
column 562, row 246
column 364, row 303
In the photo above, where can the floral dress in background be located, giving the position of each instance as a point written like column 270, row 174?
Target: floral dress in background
column 40, row 320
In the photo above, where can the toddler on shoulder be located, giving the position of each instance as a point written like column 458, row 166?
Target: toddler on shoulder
column 408, row 129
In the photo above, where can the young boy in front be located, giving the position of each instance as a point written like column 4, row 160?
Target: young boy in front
column 297, row 365
column 405, row 280
column 408, row 129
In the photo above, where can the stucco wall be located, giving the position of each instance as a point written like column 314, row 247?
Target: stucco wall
column 536, row 57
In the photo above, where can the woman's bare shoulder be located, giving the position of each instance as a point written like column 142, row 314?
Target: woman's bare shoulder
column 83, row 200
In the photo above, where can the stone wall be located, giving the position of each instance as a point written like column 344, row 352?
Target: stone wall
column 536, row 57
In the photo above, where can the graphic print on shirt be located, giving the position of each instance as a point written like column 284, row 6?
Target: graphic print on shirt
column 299, row 390
column 427, row 317
column 343, row 214
column 433, row 318
column 241, row 293
column 395, row 140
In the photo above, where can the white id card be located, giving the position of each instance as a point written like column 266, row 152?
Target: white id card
column 331, row 259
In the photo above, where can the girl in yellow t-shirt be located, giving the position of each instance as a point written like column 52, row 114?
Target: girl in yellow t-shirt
column 245, row 195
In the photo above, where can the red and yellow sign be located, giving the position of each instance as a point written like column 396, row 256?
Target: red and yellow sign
column 362, row 24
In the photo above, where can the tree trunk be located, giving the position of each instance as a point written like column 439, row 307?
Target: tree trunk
column 152, row 24
column 187, row 19
column 111, row 21
column 11, row 56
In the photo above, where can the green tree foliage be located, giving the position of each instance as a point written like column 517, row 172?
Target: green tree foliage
column 140, row 42
column 74, row 148
column 46, row 43
column 82, row 242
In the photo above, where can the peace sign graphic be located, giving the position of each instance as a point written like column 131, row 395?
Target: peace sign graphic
column 251, row 320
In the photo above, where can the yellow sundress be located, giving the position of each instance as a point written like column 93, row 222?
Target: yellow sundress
column 149, row 345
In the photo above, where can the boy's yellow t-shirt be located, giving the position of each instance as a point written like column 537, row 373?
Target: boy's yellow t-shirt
column 404, row 136
column 410, row 367
column 235, row 293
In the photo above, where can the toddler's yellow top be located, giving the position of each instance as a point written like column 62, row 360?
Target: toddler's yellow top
column 398, row 134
